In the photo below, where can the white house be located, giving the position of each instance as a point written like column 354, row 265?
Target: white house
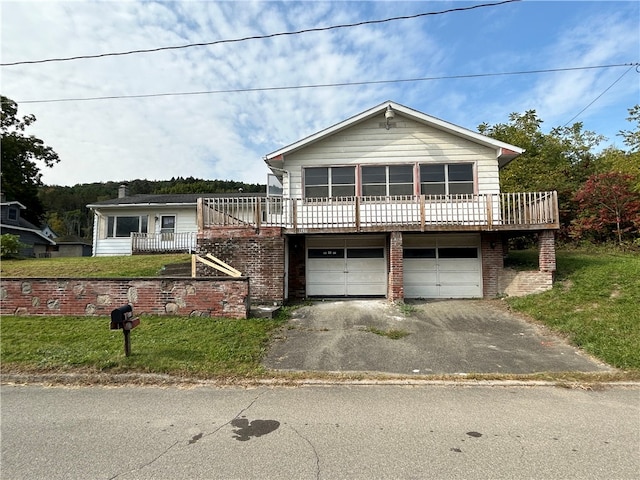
column 390, row 202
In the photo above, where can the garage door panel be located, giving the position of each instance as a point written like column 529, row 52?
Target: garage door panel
column 454, row 272
column 459, row 265
column 347, row 267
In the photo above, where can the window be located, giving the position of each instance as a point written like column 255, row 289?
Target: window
column 322, row 182
column 441, row 179
column 274, row 186
column 13, row 214
column 387, row 180
column 167, row 227
column 125, row 226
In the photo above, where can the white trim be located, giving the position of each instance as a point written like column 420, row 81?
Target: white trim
column 416, row 115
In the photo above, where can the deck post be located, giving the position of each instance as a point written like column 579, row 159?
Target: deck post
column 489, row 210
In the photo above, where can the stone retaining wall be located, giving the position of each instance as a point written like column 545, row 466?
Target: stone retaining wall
column 210, row 297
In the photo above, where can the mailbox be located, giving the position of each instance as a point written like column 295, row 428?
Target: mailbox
column 122, row 319
column 120, row 315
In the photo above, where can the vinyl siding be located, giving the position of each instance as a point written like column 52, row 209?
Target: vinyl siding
column 185, row 222
column 369, row 143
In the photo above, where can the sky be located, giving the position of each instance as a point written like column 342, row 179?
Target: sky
column 225, row 134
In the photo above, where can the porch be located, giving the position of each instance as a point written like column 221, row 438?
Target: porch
column 487, row 212
column 149, row 243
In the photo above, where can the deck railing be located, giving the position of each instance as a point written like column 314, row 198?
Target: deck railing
column 506, row 211
column 163, row 242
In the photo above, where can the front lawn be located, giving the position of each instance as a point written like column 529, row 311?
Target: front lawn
column 183, row 346
column 595, row 302
column 93, row 267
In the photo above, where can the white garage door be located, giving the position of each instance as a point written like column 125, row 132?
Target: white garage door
column 441, row 266
column 346, row 267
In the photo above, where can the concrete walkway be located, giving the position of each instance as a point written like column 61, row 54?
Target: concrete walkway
column 442, row 337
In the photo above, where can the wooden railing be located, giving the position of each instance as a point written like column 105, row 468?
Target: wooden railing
column 163, row 242
column 506, row 211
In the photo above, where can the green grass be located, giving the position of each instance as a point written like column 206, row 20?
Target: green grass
column 595, row 303
column 93, row 267
column 392, row 334
column 193, row 346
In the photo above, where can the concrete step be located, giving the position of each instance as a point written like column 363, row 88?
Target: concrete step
column 176, row 270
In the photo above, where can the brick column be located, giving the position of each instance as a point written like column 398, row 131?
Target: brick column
column 395, row 290
column 547, row 251
column 492, row 263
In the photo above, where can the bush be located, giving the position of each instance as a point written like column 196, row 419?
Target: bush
column 10, row 245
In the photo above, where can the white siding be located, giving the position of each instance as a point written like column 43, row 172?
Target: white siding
column 185, row 222
column 408, row 142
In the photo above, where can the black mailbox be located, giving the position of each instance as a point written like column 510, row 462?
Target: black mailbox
column 120, row 315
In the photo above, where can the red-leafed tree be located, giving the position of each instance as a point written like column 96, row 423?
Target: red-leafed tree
column 607, row 206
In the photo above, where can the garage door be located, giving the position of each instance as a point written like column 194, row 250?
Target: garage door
column 338, row 267
column 442, row 267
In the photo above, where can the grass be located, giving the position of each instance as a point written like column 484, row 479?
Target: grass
column 183, row 346
column 392, row 334
column 94, row 267
column 595, row 303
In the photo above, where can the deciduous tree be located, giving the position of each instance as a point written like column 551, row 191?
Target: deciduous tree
column 22, row 157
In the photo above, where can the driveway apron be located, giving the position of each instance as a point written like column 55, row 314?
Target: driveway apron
column 437, row 337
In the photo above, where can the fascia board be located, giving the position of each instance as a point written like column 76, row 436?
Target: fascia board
column 419, row 116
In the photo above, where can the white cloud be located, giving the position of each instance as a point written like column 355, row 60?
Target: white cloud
column 225, row 135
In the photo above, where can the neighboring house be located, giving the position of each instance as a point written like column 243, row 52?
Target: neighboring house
column 140, row 224
column 389, row 203
column 37, row 243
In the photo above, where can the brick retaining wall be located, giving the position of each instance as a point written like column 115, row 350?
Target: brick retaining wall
column 212, row 297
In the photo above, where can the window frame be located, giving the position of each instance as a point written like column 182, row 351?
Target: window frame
column 447, row 182
column 388, row 184
column 331, row 184
column 112, row 225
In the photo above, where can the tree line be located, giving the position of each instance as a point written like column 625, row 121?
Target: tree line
column 598, row 189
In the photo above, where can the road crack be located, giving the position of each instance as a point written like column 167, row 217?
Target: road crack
column 313, row 448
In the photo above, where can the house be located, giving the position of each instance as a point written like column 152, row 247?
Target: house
column 143, row 224
column 36, row 242
column 388, row 203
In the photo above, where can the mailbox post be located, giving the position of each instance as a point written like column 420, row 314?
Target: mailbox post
column 122, row 318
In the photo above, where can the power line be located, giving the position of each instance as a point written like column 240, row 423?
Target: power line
column 256, row 37
column 605, row 91
column 332, row 85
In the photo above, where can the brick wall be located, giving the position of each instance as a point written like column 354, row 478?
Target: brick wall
column 492, row 263
column 518, row 283
column 258, row 254
column 223, row 297
column 395, row 286
column 546, row 251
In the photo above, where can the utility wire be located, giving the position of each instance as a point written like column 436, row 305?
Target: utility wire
column 332, row 85
column 256, row 37
column 605, row 91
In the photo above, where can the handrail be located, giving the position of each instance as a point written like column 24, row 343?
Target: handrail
column 518, row 210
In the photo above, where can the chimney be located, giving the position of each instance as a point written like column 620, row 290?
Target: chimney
column 123, row 191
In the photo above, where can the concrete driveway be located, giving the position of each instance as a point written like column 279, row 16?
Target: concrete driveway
column 442, row 337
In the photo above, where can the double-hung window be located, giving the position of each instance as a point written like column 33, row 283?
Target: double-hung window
column 124, row 226
column 324, row 182
column 446, row 179
column 387, row 180
column 167, row 227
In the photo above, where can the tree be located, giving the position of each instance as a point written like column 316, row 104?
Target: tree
column 21, row 175
column 607, row 205
column 632, row 137
column 561, row 160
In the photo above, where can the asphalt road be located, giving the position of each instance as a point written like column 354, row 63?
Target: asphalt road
column 320, row 432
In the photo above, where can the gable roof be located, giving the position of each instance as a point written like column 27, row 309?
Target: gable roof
column 505, row 152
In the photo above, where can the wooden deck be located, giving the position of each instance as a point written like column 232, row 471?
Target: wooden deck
column 491, row 212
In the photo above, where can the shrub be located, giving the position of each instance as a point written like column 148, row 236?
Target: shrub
column 10, row 245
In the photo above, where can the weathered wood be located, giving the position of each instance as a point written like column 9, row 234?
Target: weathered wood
column 507, row 211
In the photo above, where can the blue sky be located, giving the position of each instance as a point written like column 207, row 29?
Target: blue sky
column 225, row 135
